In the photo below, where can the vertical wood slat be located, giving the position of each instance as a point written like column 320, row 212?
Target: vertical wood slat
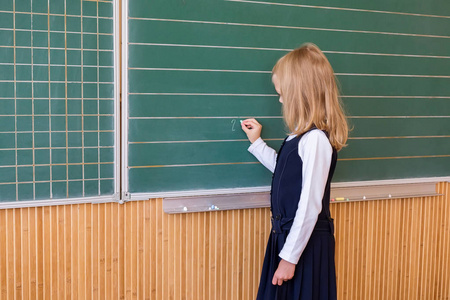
column 386, row 249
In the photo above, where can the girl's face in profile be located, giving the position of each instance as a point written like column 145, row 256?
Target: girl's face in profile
column 276, row 83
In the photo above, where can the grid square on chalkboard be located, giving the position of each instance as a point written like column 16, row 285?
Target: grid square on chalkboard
column 7, row 55
column 74, row 74
column 7, row 107
column 76, row 188
column 105, row 9
column 7, row 140
column 8, row 175
column 40, row 22
column 6, row 20
column 23, row 21
column 42, row 190
column 23, row 38
column 24, row 157
column 42, row 173
column 22, row 5
column 73, row 7
column 75, row 172
column 8, row 158
column 74, row 57
column 41, row 140
column 73, row 24
column 25, row 191
column 6, row 5
column 74, row 41
column 6, row 37
column 42, row 156
column 23, row 55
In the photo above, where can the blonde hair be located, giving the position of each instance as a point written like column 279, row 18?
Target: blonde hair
column 310, row 94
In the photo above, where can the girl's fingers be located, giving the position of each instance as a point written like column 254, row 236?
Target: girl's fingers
column 245, row 128
column 251, row 123
column 274, row 280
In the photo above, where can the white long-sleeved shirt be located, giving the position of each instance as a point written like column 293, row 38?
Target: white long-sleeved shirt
column 315, row 151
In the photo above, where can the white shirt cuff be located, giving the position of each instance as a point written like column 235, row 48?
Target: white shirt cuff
column 255, row 145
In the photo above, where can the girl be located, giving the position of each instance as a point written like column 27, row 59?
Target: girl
column 299, row 260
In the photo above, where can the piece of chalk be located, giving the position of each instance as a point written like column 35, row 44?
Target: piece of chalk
column 241, row 121
column 340, row 198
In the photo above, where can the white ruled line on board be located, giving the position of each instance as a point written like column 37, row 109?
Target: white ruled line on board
column 288, row 50
column 55, row 65
column 392, row 75
column 60, row 148
column 55, row 131
column 280, row 139
column 398, row 117
column 198, row 141
column 53, row 15
column 57, row 48
column 394, row 157
column 396, row 97
column 59, row 115
column 270, row 72
column 205, row 94
column 253, row 163
column 59, row 180
column 211, row 117
column 59, row 81
column 341, row 8
column 193, row 165
column 275, row 95
column 280, row 117
column 42, row 98
column 53, row 31
column 58, row 164
column 201, row 70
column 291, row 27
column 399, row 137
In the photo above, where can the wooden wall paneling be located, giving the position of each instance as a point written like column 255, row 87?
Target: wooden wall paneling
column 80, row 234
column 88, row 252
column 32, row 269
column 386, row 249
column 18, row 253
column 3, row 255
column 68, row 251
column 101, row 250
column 147, row 232
column 140, row 231
column 94, row 252
column 443, row 287
column 74, row 244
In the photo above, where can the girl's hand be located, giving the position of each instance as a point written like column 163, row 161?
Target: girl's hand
column 284, row 272
column 252, row 128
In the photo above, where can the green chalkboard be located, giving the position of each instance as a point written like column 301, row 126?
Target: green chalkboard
column 57, row 135
column 195, row 68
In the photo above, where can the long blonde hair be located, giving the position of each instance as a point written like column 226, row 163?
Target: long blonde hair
column 310, row 94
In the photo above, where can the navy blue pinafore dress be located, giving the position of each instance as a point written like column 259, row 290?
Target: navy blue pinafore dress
column 315, row 275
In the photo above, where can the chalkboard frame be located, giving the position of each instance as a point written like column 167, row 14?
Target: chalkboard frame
column 115, row 197
column 126, row 195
